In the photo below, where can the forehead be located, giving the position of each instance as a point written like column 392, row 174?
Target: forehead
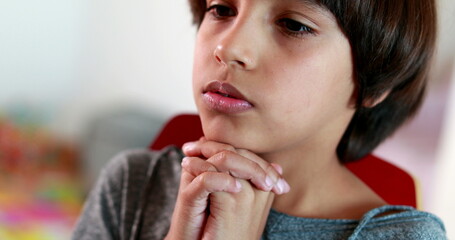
column 314, row 5
column 199, row 7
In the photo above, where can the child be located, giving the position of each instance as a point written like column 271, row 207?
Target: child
column 287, row 92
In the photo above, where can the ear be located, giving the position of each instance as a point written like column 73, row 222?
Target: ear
column 372, row 102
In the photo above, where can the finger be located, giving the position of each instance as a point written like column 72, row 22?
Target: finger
column 192, row 203
column 209, row 182
column 240, row 167
column 271, row 180
column 205, row 148
column 210, row 148
column 196, row 166
column 278, row 168
column 273, row 170
column 282, row 185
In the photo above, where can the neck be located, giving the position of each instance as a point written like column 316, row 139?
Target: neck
column 321, row 187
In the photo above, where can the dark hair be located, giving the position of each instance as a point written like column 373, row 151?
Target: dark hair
column 392, row 44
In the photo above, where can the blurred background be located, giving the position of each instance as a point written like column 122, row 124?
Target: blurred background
column 83, row 80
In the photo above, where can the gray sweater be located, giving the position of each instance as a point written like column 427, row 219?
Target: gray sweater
column 135, row 196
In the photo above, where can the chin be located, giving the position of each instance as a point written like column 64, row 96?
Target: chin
column 222, row 135
column 237, row 139
column 231, row 130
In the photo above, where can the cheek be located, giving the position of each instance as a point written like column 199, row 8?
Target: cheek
column 316, row 83
column 294, row 83
column 201, row 59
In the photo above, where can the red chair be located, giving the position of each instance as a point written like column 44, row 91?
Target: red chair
column 393, row 184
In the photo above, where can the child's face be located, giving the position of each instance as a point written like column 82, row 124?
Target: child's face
column 292, row 66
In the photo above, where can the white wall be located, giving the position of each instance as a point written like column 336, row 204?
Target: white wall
column 71, row 58
column 39, row 41
column 444, row 190
column 134, row 52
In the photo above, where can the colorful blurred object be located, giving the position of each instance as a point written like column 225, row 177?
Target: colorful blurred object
column 40, row 191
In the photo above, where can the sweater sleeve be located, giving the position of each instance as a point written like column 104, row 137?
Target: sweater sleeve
column 133, row 198
column 100, row 218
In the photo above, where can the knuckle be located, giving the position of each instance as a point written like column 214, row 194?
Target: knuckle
column 216, row 147
column 263, row 174
column 243, row 152
column 187, row 194
column 223, row 147
column 203, row 179
column 271, row 170
column 257, row 168
column 215, row 181
column 191, row 164
column 208, row 167
column 188, row 161
column 230, row 148
column 222, row 157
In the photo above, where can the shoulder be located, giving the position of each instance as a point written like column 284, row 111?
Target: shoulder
column 403, row 223
column 141, row 162
column 131, row 175
column 124, row 181
column 140, row 158
column 110, row 212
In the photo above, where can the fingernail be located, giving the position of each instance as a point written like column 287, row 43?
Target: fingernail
column 287, row 188
column 268, row 182
column 238, row 186
column 280, row 185
column 188, row 146
column 184, row 161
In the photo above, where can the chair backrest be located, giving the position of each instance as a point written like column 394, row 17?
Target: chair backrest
column 394, row 185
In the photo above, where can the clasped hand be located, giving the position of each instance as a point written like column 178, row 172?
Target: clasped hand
column 225, row 193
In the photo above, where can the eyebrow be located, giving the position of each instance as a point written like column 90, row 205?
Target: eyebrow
column 317, row 6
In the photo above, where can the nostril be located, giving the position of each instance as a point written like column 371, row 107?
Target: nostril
column 232, row 58
column 240, row 63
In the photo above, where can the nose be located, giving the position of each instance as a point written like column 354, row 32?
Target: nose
column 236, row 47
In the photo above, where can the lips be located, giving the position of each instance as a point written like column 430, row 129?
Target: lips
column 225, row 98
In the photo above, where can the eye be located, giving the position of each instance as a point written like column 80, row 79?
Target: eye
column 221, row 11
column 294, row 28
